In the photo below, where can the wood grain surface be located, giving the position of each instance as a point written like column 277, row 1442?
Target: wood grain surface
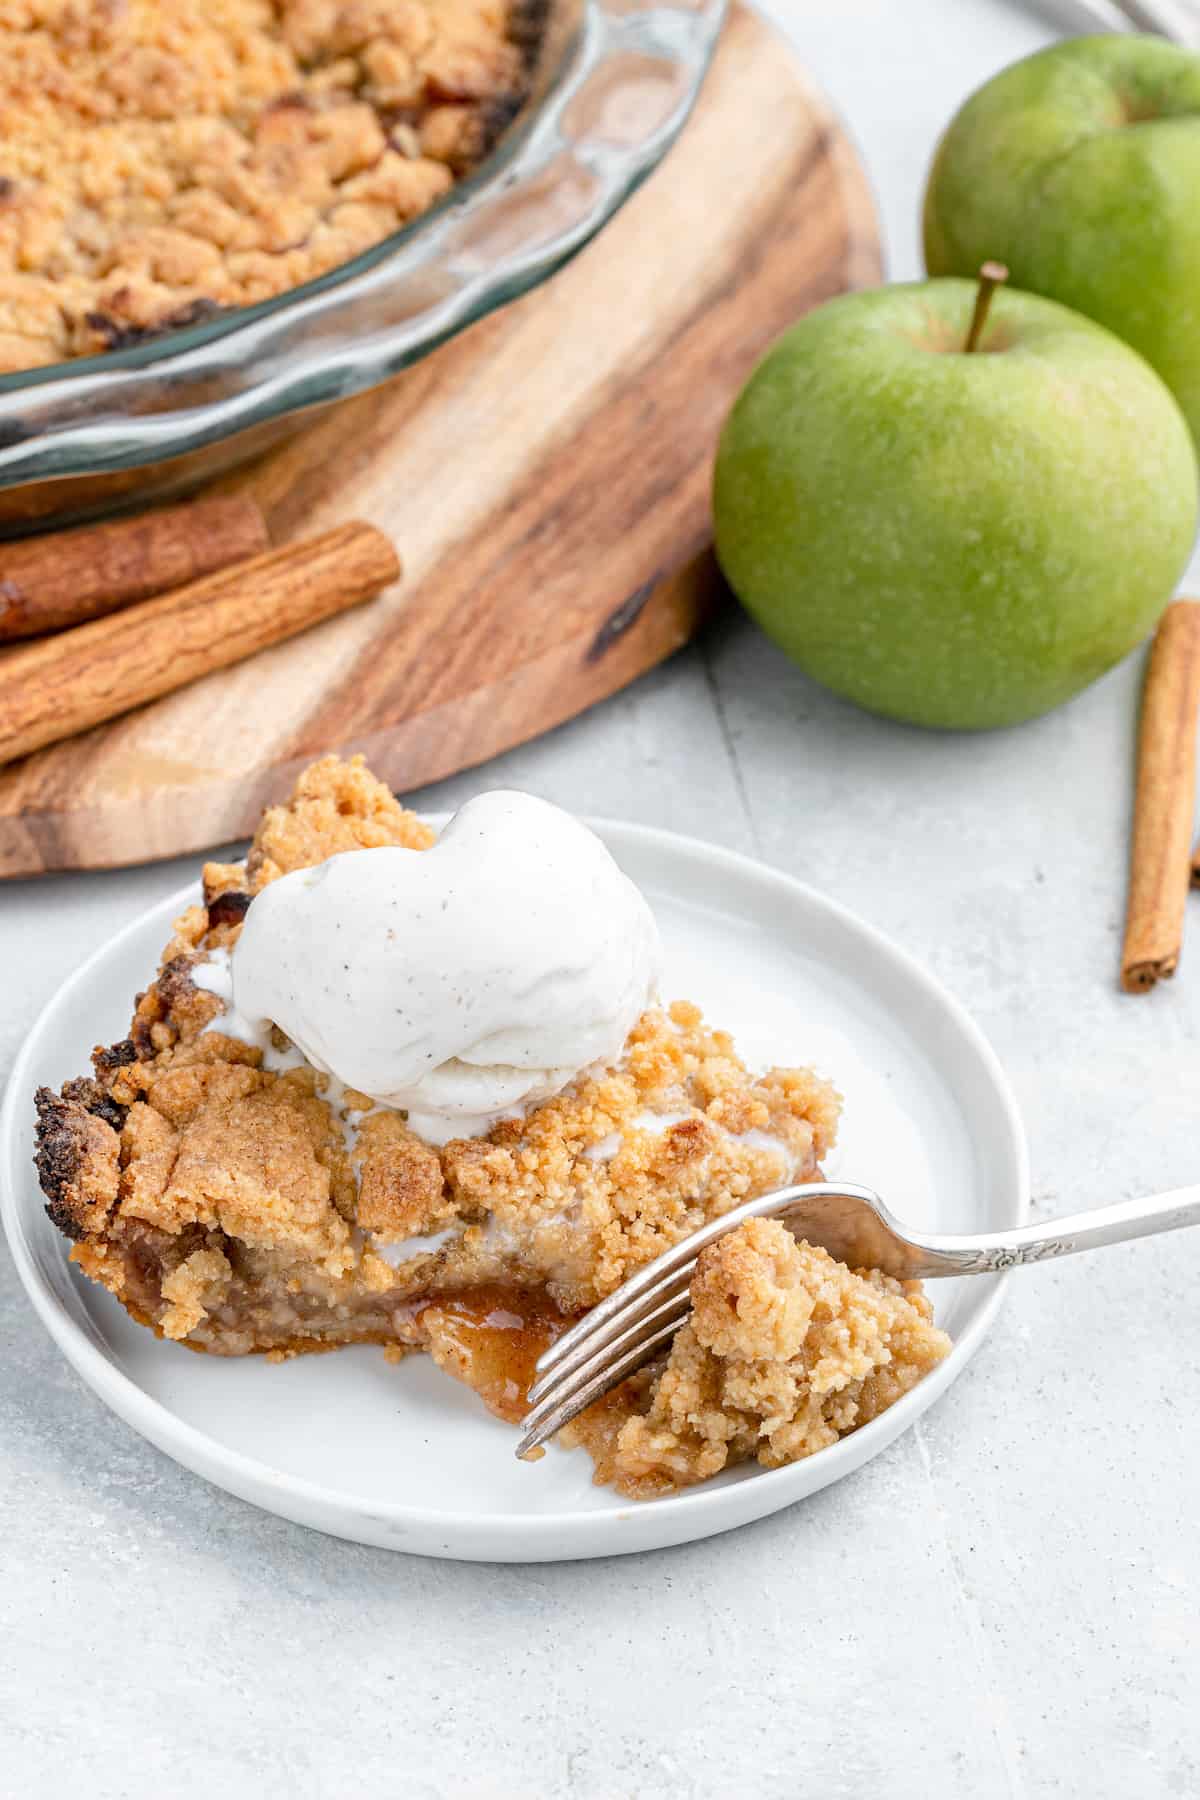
column 545, row 477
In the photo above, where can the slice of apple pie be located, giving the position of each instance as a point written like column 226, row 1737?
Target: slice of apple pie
column 236, row 1198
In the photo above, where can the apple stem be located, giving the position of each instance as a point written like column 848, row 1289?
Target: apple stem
column 991, row 275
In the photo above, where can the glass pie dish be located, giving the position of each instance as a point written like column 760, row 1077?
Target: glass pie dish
column 615, row 83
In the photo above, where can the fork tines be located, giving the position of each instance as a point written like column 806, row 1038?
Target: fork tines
column 624, row 1331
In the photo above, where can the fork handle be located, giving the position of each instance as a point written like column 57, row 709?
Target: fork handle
column 1173, row 19
column 1059, row 1237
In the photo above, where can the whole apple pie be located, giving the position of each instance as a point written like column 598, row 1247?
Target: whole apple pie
column 237, row 1198
column 161, row 160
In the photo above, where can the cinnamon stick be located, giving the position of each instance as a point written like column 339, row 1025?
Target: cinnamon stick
column 1160, row 870
column 47, row 583
column 65, row 684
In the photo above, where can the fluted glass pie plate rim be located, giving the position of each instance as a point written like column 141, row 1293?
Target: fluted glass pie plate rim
column 786, row 929
column 586, row 141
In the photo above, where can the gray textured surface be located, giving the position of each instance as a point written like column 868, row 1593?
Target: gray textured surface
column 1005, row 1604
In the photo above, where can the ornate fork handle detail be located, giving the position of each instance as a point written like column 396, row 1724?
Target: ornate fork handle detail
column 1058, row 1237
column 1009, row 1259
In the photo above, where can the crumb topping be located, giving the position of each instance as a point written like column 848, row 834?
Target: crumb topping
column 163, row 159
column 335, row 806
column 786, row 1351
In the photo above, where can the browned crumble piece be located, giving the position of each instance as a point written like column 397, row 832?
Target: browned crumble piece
column 401, row 1193
column 77, row 1163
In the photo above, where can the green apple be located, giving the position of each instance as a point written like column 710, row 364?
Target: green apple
column 1080, row 169
column 955, row 538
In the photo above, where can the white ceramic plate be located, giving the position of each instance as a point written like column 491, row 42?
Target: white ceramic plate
column 404, row 1457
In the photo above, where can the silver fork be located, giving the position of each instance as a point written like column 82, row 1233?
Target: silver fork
column 1178, row 20
column 852, row 1223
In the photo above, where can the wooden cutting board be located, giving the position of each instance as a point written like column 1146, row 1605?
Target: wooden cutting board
column 545, row 477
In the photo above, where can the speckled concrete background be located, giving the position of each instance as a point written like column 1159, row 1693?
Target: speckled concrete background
column 1003, row 1605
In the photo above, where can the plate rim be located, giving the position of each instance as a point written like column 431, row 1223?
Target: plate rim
column 697, row 1511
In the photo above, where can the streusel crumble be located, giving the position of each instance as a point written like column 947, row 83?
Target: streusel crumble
column 163, row 159
column 785, row 1352
column 237, row 1200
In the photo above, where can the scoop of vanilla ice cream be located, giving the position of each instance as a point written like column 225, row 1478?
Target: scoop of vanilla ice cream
column 463, row 983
